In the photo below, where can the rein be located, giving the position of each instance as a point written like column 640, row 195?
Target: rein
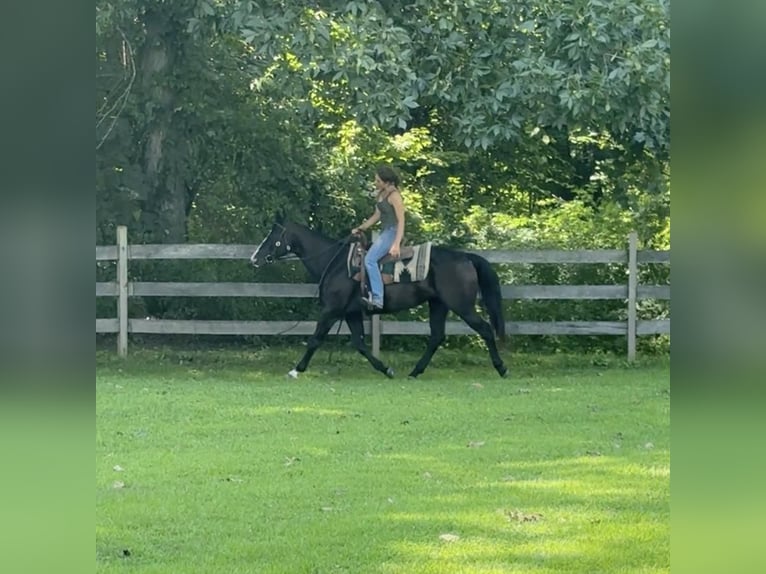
column 293, row 255
column 332, row 259
column 341, row 242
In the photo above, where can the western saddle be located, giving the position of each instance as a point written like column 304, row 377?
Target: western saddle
column 392, row 269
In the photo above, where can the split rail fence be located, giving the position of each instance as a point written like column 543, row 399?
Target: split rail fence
column 123, row 290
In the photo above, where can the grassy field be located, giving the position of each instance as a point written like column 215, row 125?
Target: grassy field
column 214, row 462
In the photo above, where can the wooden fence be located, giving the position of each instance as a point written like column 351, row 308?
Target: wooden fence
column 123, row 289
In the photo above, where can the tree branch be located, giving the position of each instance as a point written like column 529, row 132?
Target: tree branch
column 122, row 99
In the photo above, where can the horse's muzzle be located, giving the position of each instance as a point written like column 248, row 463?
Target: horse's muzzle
column 254, row 261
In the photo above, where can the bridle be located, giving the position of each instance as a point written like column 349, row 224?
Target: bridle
column 278, row 243
column 292, row 255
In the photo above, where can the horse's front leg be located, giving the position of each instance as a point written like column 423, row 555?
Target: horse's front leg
column 356, row 326
column 324, row 324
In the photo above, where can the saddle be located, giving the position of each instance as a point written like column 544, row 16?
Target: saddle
column 411, row 265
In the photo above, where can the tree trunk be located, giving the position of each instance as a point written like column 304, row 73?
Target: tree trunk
column 164, row 152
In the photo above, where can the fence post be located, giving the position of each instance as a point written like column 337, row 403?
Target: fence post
column 122, row 290
column 632, row 287
column 375, row 321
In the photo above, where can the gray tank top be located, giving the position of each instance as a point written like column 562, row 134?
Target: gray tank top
column 387, row 214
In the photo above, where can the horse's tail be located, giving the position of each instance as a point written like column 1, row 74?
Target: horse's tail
column 491, row 293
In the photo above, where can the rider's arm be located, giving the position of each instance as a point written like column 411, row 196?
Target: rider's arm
column 395, row 199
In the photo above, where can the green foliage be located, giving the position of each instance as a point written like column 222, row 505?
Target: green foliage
column 573, row 225
column 524, row 124
column 496, row 69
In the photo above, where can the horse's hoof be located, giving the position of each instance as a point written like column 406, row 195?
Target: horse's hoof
column 293, row 374
column 413, row 375
column 503, row 372
column 390, row 373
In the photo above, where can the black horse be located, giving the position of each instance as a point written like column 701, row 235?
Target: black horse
column 453, row 282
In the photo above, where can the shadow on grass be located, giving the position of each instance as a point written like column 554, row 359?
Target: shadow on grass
column 568, row 515
column 341, row 360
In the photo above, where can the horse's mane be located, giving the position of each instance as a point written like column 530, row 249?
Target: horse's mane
column 318, row 235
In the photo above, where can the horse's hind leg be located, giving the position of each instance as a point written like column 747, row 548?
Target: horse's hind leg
column 324, row 324
column 458, row 287
column 484, row 329
column 437, row 320
column 356, row 326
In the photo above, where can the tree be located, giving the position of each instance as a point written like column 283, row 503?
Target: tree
column 494, row 70
column 539, row 121
column 181, row 127
column 153, row 41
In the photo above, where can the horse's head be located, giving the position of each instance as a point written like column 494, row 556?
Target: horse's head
column 276, row 246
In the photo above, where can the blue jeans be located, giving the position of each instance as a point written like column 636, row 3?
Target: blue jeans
column 375, row 253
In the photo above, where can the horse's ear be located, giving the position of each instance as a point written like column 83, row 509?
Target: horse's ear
column 279, row 217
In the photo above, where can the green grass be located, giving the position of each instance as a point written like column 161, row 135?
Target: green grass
column 228, row 467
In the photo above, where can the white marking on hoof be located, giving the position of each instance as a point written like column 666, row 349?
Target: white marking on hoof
column 293, row 374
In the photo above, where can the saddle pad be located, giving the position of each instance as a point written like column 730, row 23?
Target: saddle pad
column 416, row 266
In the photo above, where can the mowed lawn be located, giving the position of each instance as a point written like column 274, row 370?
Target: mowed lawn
column 215, row 462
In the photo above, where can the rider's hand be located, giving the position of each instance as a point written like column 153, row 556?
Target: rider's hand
column 394, row 251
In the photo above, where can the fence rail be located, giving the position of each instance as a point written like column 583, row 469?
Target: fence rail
column 123, row 289
column 309, row 290
column 216, row 251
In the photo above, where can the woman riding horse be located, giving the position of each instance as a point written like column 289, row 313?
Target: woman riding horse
column 454, row 280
